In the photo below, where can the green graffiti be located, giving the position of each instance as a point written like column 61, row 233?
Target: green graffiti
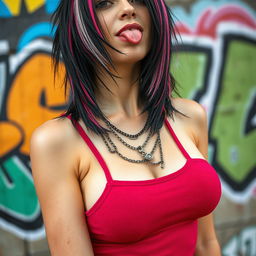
column 17, row 196
column 189, row 70
column 236, row 150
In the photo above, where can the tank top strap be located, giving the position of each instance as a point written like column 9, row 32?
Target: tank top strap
column 182, row 149
column 94, row 150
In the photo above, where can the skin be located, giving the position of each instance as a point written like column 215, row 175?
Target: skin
column 68, row 178
column 113, row 16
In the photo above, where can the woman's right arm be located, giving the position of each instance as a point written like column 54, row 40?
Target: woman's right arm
column 55, row 169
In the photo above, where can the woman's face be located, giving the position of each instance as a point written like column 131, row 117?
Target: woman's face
column 134, row 41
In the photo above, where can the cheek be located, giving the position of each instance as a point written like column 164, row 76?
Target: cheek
column 146, row 16
column 147, row 23
column 104, row 23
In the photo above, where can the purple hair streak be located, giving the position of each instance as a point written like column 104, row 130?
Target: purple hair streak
column 162, row 69
column 90, row 4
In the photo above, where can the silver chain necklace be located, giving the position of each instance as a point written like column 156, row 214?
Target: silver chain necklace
column 147, row 157
column 130, row 136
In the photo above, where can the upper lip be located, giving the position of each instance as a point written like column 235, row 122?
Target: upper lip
column 130, row 26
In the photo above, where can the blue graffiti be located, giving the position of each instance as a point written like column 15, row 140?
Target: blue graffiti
column 4, row 11
column 51, row 5
column 35, row 31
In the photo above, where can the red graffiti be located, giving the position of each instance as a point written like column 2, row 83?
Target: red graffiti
column 210, row 19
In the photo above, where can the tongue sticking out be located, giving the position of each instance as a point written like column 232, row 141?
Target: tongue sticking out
column 133, row 36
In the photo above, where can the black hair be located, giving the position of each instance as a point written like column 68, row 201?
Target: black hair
column 80, row 44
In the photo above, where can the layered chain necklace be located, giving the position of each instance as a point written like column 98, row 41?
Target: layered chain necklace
column 146, row 157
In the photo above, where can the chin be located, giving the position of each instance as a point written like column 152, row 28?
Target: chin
column 132, row 56
column 129, row 59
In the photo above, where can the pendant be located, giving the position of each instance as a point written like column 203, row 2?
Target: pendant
column 148, row 156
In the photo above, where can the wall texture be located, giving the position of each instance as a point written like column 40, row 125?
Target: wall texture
column 214, row 63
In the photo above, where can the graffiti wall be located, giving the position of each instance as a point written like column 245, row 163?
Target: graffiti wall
column 214, row 63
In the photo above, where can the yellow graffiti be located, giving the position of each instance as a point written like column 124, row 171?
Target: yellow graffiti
column 34, row 96
column 14, row 6
column 33, row 5
column 10, row 137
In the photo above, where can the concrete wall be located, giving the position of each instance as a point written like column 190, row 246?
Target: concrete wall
column 214, row 64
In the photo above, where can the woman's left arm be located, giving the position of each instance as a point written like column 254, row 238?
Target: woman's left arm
column 207, row 243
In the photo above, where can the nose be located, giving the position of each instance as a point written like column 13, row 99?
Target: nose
column 127, row 10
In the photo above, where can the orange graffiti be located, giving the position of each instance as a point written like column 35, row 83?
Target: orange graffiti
column 33, row 96
column 10, row 137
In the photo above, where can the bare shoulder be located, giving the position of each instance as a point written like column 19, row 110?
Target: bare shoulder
column 195, row 118
column 53, row 134
column 55, row 142
column 194, row 124
column 195, row 111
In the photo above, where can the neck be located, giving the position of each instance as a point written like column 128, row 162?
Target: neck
column 123, row 97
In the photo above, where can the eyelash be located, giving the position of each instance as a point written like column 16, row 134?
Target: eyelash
column 102, row 4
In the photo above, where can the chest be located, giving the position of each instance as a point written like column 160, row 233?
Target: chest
column 133, row 209
column 94, row 181
column 118, row 193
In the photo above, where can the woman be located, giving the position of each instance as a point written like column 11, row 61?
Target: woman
column 123, row 171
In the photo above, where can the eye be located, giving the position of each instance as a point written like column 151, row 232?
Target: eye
column 137, row 1
column 102, row 4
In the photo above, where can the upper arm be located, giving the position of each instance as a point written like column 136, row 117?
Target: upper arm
column 57, row 186
column 195, row 122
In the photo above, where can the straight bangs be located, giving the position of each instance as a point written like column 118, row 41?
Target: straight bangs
column 80, row 43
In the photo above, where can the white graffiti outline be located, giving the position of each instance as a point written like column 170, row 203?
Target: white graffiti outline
column 4, row 48
column 237, row 242
column 17, row 59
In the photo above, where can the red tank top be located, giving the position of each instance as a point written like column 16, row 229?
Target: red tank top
column 156, row 217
